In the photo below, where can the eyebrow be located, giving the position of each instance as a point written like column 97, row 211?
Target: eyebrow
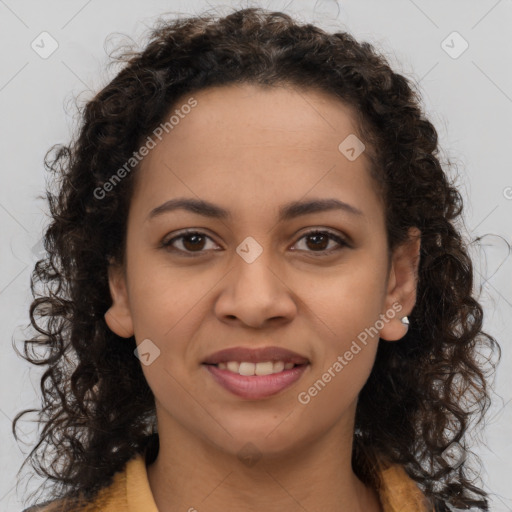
column 287, row 211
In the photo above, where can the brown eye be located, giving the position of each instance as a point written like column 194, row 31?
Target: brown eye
column 195, row 243
column 318, row 241
column 191, row 242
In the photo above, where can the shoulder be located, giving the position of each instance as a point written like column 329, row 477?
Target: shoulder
column 47, row 506
column 102, row 501
column 110, row 498
column 59, row 505
column 398, row 491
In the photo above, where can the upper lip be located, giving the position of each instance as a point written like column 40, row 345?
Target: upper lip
column 255, row 355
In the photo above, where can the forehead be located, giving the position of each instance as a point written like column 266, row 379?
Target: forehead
column 267, row 144
column 301, row 119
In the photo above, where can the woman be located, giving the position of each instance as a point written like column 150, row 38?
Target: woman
column 257, row 295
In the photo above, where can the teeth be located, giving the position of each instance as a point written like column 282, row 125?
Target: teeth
column 233, row 366
column 248, row 369
column 262, row 368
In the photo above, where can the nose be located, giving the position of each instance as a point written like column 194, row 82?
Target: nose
column 255, row 293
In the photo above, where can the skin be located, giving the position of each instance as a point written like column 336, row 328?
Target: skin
column 250, row 150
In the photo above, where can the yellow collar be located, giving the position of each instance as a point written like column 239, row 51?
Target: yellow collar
column 397, row 493
column 129, row 491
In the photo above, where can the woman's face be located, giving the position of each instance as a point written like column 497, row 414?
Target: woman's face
column 256, row 277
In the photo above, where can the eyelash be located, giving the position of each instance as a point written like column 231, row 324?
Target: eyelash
column 167, row 244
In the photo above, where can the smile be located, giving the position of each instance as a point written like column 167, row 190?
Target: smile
column 248, row 369
column 255, row 381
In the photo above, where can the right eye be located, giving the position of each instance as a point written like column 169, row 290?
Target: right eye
column 190, row 241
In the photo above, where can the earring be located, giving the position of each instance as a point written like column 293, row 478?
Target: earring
column 405, row 320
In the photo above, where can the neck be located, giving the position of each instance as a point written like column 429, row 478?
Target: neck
column 192, row 474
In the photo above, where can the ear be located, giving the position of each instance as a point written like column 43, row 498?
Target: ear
column 118, row 317
column 402, row 283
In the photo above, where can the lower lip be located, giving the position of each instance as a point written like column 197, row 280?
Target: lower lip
column 256, row 387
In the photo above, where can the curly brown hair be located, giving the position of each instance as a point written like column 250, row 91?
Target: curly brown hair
column 97, row 408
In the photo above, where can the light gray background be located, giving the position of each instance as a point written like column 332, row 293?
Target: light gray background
column 468, row 98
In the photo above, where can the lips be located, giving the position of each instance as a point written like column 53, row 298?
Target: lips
column 256, row 355
column 256, row 387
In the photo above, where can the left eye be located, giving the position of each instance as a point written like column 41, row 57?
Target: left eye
column 320, row 237
column 194, row 241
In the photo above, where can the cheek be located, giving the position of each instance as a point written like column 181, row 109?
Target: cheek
column 162, row 300
column 332, row 392
column 348, row 346
column 346, row 301
column 346, row 313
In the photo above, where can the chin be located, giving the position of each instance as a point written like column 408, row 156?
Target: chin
column 261, row 439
